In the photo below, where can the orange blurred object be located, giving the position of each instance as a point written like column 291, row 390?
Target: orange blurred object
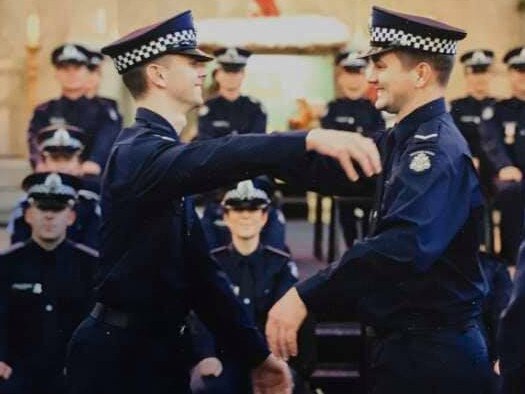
column 267, row 8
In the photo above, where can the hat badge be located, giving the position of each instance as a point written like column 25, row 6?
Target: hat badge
column 231, row 53
column 479, row 57
column 62, row 137
column 53, row 183
column 71, row 52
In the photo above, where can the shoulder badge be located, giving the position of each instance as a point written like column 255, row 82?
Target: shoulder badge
column 420, row 161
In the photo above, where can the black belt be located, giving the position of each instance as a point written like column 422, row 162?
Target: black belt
column 111, row 316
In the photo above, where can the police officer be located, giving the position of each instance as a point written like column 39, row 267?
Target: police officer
column 353, row 112
column 217, row 233
column 154, row 260
column 93, row 84
column 46, row 288
column 503, row 133
column 74, row 108
column 416, row 278
column 467, row 111
column 231, row 112
column 61, row 148
column 259, row 274
column 511, row 344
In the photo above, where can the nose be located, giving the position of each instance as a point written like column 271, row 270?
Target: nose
column 371, row 73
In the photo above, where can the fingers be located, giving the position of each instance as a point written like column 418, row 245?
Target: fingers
column 291, row 342
column 5, row 371
column 281, row 341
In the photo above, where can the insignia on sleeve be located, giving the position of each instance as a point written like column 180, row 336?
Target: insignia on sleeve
column 203, row 110
column 420, row 161
column 488, row 113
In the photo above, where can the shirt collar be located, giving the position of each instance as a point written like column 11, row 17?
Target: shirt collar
column 412, row 121
column 157, row 122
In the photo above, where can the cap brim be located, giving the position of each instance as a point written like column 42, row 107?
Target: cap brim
column 374, row 51
column 195, row 52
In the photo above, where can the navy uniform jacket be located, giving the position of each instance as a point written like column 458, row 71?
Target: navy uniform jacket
column 85, row 230
column 419, row 267
column 499, row 289
column 467, row 112
column 154, row 258
column 353, row 115
column 91, row 115
column 220, row 117
column 511, row 346
column 44, row 296
column 258, row 280
column 504, row 134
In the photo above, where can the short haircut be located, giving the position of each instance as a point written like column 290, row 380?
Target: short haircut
column 440, row 63
column 136, row 81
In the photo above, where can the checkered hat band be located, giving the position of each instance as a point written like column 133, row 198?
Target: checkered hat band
column 154, row 48
column 386, row 35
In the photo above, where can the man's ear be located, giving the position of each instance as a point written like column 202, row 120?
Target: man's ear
column 71, row 216
column 156, row 74
column 28, row 215
column 423, row 74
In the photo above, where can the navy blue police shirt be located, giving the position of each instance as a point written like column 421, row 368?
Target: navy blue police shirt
column 44, row 296
column 467, row 113
column 154, row 258
column 258, row 280
column 358, row 115
column 91, row 115
column 220, row 117
column 419, row 267
column 504, row 134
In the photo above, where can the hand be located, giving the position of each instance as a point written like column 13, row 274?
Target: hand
column 272, row 377
column 345, row 147
column 496, row 368
column 510, row 173
column 284, row 320
column 5, row 370
column 91, row 168
column 209, row 366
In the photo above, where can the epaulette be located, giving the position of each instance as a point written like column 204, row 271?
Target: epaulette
column 277, row 251
column 427, row 132
column 219, row 249
column 14, row 247
column 86, row 249
column 165, row 138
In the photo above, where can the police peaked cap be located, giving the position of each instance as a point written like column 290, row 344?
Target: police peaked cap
column 54, row 186
column 61, row 138
column 70, row 53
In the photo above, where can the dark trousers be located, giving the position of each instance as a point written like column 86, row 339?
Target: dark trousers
column 105, row 359
column 514, row 382
column 34, row 377
column 448, row 361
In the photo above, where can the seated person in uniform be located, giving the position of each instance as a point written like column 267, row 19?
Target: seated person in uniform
column 218, row 234
column 60, row 149
column 45, row 289
column 259, row 275
column 353, row 111
column 231, row 112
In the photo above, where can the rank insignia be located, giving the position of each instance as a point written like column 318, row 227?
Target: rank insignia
column 488, row 113
column 420, row 161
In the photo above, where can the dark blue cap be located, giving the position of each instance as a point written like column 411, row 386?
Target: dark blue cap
column 232, row 58
column 477, row 57
column 392, row 30
column 70, row 53
column 51, row 186
column 515, row 58
column 175, row 35
column 61, row 138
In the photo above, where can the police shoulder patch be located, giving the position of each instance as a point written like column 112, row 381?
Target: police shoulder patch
column 420, row 161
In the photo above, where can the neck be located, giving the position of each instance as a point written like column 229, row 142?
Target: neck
column 245, row 246
column 479, row 95
column 355, row 95
column 73, row 94
column 230, row 95
column 48, row 245
column 519, row 95
column 174, row 112
column 421, row 98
